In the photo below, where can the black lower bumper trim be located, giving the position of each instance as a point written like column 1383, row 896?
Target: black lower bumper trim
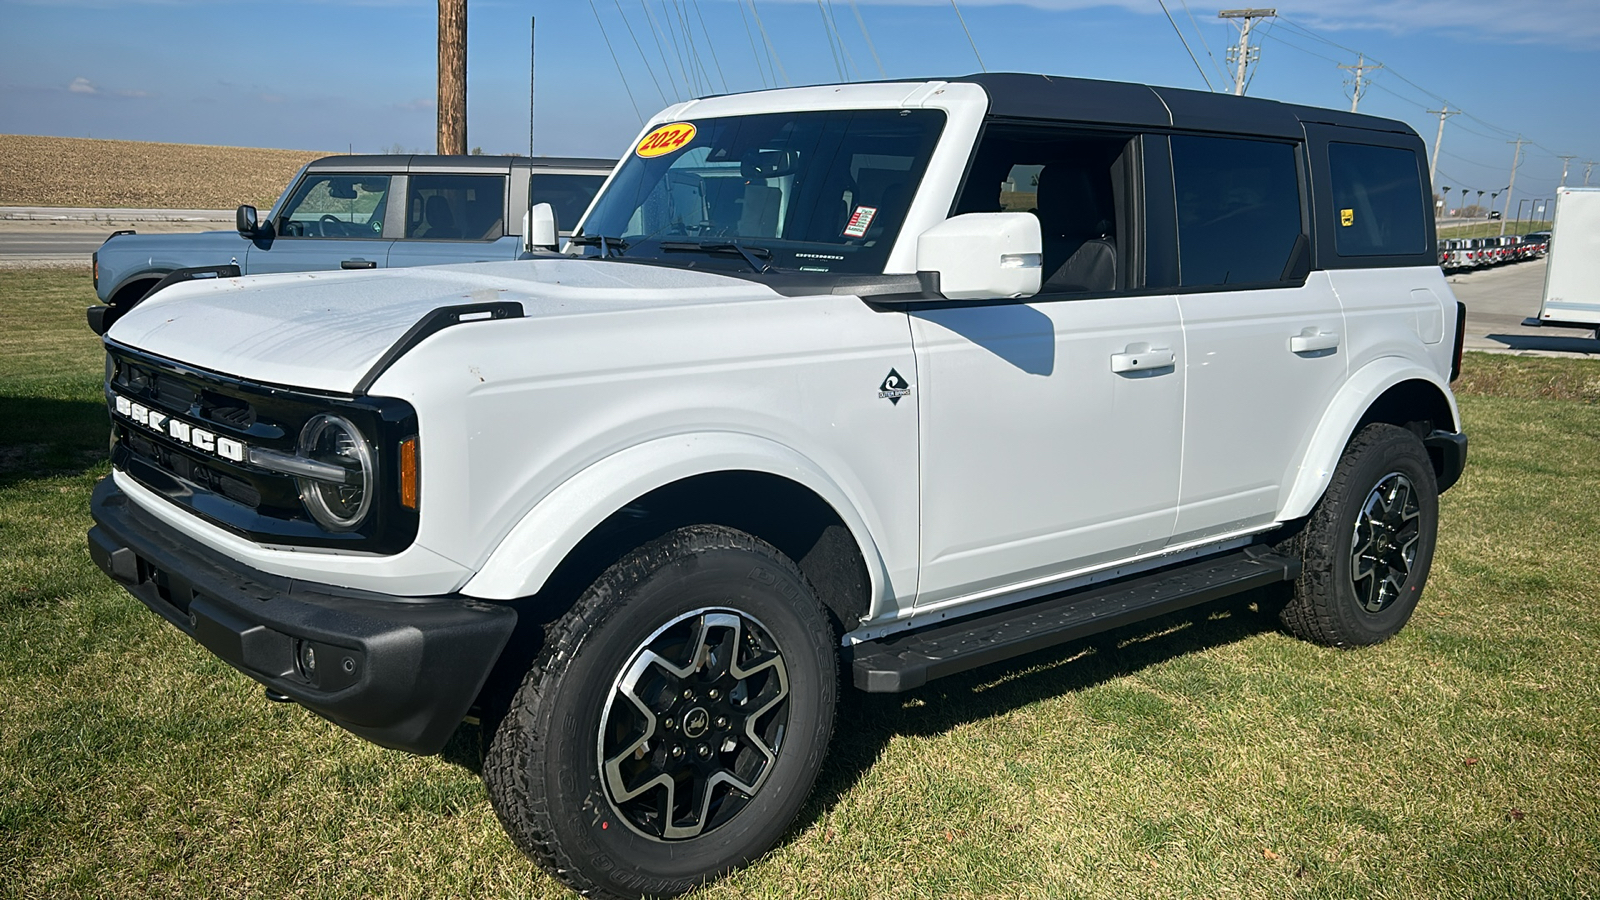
column 399, row 671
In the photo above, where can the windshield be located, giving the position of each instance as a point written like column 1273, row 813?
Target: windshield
column 806, row 191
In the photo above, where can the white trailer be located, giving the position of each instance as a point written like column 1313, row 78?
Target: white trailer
column 1572, row 275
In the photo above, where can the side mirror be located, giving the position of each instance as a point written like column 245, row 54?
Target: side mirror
column 539, row 231
column 984, row 256
column 244, row 219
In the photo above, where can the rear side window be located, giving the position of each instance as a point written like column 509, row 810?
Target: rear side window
column 1377, row 200
column 1238, row 209
column 455, row 207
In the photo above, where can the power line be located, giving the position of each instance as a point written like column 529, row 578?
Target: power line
column 623, row 16
column 1197, row 33
column 1288, row 43
column 666, row 27
column 870, row 47
column 771, row 50
column 828, row 34
column 711, row 47
column 660, row 48
column 614, row 59
column 969, row 35
column 1179, row 32
column 850, row 60
column 753, row 51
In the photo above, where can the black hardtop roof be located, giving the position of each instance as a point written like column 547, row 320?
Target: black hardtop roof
column 1025, row 96
column 399, row 162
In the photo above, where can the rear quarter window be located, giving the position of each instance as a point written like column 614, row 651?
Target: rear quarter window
column 1378, row 208
column 1238, row 209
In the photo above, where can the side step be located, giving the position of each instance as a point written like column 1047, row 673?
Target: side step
column 909, row 660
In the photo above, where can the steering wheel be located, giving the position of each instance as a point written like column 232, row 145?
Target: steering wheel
column 330, row 225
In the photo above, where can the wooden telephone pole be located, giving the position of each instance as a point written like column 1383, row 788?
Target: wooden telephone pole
column 452, row 77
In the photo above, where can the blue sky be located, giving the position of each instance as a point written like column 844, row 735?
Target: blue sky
column 338, row 74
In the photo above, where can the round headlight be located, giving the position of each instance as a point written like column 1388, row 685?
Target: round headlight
column 337, row 505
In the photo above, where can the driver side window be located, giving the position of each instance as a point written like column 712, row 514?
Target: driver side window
column 336, row 206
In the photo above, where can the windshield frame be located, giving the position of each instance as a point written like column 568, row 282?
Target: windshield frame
column 965, row 106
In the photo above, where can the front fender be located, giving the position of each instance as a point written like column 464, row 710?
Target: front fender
column 533, row 548
column 1339, row 422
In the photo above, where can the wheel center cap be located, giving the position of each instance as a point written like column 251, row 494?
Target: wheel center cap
column 696, row 721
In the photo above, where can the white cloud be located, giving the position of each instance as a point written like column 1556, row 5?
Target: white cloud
column 81, row 85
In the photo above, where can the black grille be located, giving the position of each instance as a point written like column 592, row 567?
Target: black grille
column 257, row 503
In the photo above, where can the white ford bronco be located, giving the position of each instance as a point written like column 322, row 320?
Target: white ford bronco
column 889, row 380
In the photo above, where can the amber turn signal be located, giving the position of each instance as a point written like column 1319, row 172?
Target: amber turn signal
column 409, row 481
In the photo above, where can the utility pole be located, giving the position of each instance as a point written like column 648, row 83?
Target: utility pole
column 1565, row 161
column 1244, row 54
column 1360, row 83
column 452, row 77
column 1445, row 113
column 1516, row 160
column 531, row 24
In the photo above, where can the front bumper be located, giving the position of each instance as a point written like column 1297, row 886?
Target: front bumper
column 399, row 671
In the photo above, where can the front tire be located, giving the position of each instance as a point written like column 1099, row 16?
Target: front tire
column 674, row 724
column 1368, row 544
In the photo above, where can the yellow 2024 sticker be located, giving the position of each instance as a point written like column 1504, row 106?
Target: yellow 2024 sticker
column 666, row 139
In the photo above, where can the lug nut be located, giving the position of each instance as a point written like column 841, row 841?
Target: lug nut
column 667, row 724
column 715, row 693
column 688, row 695
column 677, row 752
column 704, row 750
column 722, row 722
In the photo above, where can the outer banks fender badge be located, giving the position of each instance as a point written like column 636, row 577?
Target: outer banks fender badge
column 894, row 387
column 666, row 139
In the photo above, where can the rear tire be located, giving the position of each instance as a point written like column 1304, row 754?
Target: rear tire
column 675, row 722
column 1368, row 544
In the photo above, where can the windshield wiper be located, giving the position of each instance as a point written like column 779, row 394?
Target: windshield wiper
column 606, row 244
column 757, row 257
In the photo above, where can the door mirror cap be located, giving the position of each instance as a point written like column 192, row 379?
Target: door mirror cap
column 245, row 219
column 984, row 256
column 539, row 230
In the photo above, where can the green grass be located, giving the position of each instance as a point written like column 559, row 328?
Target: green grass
column 1205, row 755
column 1491, row 229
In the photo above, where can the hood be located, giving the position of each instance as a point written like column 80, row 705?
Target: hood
column 324, row 331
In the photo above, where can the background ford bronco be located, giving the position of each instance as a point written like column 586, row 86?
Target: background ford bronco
column 895, row 379
column 365, row 212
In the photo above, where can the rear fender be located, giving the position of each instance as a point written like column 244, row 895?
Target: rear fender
column 1341, row 418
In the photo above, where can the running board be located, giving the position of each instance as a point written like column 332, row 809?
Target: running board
column 909, row 660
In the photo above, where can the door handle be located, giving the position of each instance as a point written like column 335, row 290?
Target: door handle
column 1313, row 339
column 358, row 263
column 1143, row 358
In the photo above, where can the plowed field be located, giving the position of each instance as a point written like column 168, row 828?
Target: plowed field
column 78, row 172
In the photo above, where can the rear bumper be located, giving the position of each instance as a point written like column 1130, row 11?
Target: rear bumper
column 399, row 671
column 1448, row 449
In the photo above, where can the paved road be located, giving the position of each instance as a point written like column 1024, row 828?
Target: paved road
column 1497, row 302
column 106, row 214
column 67, row 245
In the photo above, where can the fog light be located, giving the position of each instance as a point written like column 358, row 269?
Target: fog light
column 308, row 660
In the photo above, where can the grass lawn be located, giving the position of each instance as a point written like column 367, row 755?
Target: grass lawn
column 1200, row 755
